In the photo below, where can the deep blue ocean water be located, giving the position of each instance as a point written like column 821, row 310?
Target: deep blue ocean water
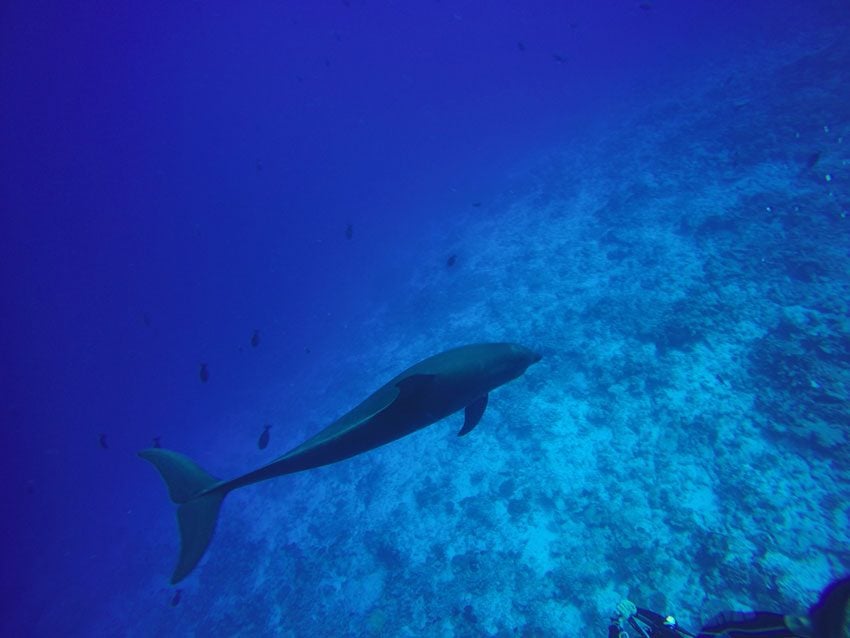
column 654, row 195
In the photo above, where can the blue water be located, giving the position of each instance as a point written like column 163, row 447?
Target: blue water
column 655, row 195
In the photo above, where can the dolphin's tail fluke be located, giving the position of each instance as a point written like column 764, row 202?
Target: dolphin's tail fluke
column 198, row 500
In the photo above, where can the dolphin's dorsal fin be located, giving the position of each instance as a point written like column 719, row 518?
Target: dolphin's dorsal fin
column 382, row 399
column 472, row 415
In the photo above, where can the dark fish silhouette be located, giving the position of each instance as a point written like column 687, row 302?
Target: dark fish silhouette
column 458, row 380
column 156, row 442
column 349, row 231
column 102, row 440
column 255, row 338
column 451, row 261
column 175, row 599
column 146, row 318
column 560, row 59
column 476, row 204
column 205, row 373
column 263, row 442
column 520, row 46
column 812, row 160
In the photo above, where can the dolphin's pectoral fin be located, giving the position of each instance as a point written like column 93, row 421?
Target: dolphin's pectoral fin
column 472, row 415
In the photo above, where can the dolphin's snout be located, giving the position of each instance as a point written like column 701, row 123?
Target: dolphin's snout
column 527, row 355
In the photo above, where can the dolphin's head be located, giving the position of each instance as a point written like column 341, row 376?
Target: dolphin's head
column 522, row 356
column 511, row 360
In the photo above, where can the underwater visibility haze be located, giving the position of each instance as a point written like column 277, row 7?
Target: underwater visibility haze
column 231, row 230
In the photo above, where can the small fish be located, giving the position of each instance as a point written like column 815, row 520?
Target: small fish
column 175, row 599
column 264, row 437
column 349, row 231
column 103, row 442
column 646, row 6
column 520, row 46
column 812, row 159
column 476, row 204
column 560, row 59
column 451, row 261
column 156, row 441
column 205, row 373
column 255, row 338
column 259, row 166
column 146, row 318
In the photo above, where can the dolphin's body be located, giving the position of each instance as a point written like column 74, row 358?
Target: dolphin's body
column 421, row 395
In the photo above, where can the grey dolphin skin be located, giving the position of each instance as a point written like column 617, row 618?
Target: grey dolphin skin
column 458, row 379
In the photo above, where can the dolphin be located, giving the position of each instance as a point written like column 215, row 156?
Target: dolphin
column 458, row 379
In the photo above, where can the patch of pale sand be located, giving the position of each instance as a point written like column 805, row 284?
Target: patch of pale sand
column 573, row 450
column 560, row 618
column 792, row 518
column 800, row 578
column 495, row 608
column 469, row 319
column 696, row 386
column 606, row 596
column 555, row 409
column 696, row 492
column 362, row 591
column 538, row 538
